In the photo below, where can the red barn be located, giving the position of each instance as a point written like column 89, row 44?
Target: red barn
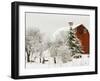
column 83, row 35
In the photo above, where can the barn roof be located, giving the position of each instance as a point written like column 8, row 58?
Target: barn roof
column 81, row 26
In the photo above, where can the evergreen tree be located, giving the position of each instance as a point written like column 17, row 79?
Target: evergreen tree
column 73, row 42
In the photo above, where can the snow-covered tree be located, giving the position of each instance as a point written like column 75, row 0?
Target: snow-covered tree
column 34, row 44
column 59, row 49
column 28, row 47
column 53, row 52
column 73, row 42
column 64, row 53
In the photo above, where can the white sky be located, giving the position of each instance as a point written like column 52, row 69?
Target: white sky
column 50, row 23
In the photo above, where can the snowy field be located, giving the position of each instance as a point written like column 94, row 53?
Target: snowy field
column 84, row 61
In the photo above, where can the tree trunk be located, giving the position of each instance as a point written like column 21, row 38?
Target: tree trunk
column 40, row 59
column 55, row 60
column 43, row 61
column 28, row 57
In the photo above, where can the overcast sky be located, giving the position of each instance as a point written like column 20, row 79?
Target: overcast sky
column 50, row 23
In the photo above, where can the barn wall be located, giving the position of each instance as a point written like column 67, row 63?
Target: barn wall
column 83, row 35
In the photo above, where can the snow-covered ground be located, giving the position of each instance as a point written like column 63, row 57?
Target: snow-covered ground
column 84, row 61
